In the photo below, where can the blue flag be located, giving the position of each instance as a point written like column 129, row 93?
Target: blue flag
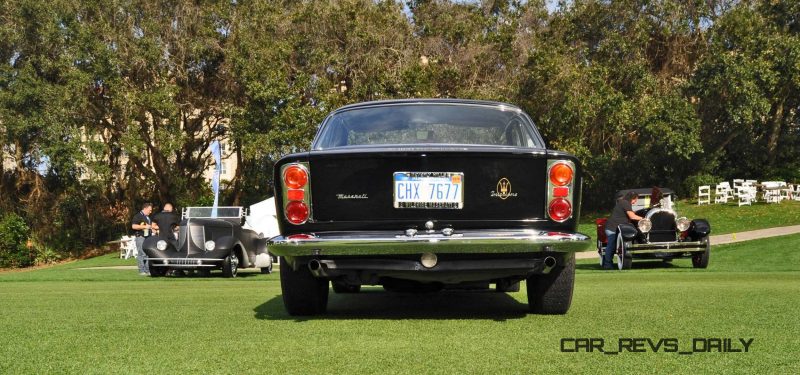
column 217, row 152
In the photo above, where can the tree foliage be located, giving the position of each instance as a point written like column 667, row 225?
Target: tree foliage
column 107, row 104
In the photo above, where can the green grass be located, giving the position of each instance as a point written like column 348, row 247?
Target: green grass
column 724, row 218
column 67, row 320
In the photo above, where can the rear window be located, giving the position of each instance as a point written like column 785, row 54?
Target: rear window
column 415, row 123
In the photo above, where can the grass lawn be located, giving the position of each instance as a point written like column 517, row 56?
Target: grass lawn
column 68, row 320
column 724, row 218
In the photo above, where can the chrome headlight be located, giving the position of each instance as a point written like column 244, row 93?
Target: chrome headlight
column 645, row 225
column 210, row 245
column 683, row 224
column 161, row 245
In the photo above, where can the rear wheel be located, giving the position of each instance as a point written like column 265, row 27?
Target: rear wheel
column 342, row 287
column 600, row 251
column 230, row 266
column 552, row 293
column 303, row 294
column 700, row 260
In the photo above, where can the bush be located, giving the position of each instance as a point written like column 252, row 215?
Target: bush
column 14, row 233
column 693, row 182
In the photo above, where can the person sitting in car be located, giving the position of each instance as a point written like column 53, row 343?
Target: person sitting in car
column 621, row 214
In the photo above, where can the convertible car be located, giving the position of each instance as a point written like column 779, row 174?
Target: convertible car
column 207, row 240
column 661, row 234
column 423, row 195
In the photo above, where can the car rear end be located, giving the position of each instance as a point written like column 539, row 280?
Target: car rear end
column 438, row 214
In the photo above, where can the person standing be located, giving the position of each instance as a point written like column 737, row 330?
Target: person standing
column 166, row 220
column 142, row 228
column 621, row 214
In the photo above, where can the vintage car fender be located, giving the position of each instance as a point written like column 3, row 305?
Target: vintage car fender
column 699, row 228
column 628, row 231
column 150, row 249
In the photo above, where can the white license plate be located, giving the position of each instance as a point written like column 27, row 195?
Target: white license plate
column 429, row 190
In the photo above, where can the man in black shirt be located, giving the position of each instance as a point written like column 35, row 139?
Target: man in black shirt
column 142, row 228
column 621, row 214
column 166, row 221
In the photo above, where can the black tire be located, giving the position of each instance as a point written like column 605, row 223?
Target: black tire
column 341, row 287
column 157, row 271
column 700, row 260
column 507, row 286
column 267, row 270
column 303, row 294
column 600, row 252
column 230, row 266
column 624, row 260
column 552, row 293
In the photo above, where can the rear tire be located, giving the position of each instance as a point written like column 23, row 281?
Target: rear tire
column 701, row 260
column 552, row 293
column 341, row 287
column 303, row 294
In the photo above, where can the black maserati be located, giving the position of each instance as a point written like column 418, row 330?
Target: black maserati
column 425, row 195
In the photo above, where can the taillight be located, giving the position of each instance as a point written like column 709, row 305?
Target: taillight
column 296, row 212
column 296, row 193
column 295, row 176
column 560, row 209
column 560, row 174
column 560, row 189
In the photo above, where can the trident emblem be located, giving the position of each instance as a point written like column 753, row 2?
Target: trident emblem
column 503, row 188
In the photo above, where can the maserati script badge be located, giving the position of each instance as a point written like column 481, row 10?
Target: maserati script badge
column 503, row 189
column 351, row 196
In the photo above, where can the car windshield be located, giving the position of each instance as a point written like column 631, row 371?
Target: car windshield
column 422, row 123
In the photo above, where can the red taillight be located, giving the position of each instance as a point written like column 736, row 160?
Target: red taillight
column 561, row 174
column 295, row 194
column 560, row 209
column 561, row 192
column 296, row 212
column 295, row 177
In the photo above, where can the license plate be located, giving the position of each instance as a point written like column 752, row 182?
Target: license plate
column 429, row 190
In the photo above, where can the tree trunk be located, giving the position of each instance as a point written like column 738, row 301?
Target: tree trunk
column 775, row 131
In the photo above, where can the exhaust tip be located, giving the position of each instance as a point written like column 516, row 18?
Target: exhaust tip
column 549, row 263
column 314, row 265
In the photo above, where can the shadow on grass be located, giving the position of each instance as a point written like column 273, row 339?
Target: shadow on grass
column 637, row 265
column 377, row 304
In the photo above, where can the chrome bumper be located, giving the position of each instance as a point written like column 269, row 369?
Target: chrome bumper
column 184, row 262
column 392, row 242
column 667, row 247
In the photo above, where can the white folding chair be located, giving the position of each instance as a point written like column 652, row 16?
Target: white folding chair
column 785, row 192
column 772, row 193
column 703, row 194
column 722, row 193
column 128, row 246
column 796, row 192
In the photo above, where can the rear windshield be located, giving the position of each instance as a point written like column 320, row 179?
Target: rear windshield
column 415, row 123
